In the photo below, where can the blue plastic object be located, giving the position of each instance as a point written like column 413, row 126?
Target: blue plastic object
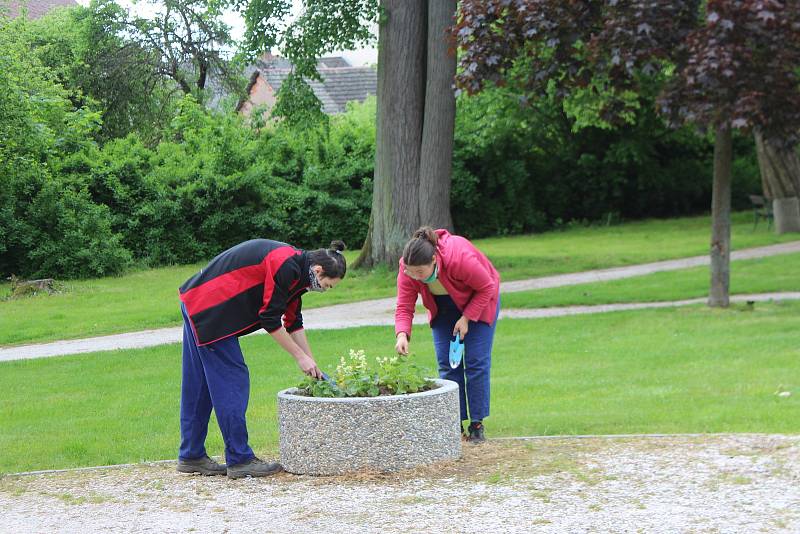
column 326, row 378
column 456, row 351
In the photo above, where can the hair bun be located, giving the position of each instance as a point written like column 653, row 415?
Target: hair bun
column 338, row 245
column 428, row 234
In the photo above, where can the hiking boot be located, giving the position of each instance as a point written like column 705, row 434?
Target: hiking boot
column 464, row 436
column 203, row 466
column 254, row 468
column 476, row 433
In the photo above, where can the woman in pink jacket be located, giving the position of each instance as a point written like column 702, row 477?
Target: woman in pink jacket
column 461, row 290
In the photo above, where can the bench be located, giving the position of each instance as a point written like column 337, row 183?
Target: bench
column 762, row 209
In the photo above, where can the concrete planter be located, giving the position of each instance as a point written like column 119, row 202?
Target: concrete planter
column 323, row 436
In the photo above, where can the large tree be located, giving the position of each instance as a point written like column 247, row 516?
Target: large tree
column 730, row 69
column 416, row 105
column 134, row 68
column 87, row 52
column 190, row 44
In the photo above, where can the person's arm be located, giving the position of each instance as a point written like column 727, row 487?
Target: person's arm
column 276, row 296
column 301, row 355
column 275, row 305
column 293, row 316
column 299, row 337
column 401, row 346
column 404, row 311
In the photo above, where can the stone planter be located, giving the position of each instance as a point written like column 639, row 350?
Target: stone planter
column 324, row 436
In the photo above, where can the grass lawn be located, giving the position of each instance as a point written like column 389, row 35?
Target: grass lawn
column 690, row 369
column 762, row 275
column 148, row 299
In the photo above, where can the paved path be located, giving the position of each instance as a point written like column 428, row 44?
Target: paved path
column 713, row 483
column 536, row 313
column 381, row 311
column 615, row 273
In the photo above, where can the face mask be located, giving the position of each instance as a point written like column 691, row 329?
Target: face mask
column 315, row 285
column 432, row 277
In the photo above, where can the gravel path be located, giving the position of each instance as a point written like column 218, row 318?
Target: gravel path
column 713, row 483
column 381, row 311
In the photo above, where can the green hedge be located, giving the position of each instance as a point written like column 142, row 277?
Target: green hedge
column 214, row 182
column 522, row 168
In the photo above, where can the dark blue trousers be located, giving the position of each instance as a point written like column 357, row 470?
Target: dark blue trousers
column 214, row 376
column 472, row 375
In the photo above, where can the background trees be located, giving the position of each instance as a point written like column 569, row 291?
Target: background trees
column 158, row 177
column 733, row 70
column 188, row 43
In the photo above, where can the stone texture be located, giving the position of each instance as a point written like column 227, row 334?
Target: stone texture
column 322, row 436
column 787, row 215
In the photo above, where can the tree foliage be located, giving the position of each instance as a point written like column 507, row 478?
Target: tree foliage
column 735, row 70
column 87, row 52
column 741, row 69
column 190, row 44
column 323, row 26
column 46, row 224
column 737, row 66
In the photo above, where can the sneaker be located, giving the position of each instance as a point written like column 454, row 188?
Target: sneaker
column 203, row 466
column 476, row 433
column 254, row 468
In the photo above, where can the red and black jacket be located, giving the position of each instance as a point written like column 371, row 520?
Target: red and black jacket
column 250, row 286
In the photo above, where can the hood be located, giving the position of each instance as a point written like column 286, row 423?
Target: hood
column 444, row 252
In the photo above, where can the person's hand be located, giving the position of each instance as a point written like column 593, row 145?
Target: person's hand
column 461, row 327
column 402, row 344
column 309, row 366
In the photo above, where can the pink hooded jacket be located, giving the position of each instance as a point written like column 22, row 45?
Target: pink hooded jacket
column 465, row 272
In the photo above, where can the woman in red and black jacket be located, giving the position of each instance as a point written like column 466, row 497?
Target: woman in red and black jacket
column 256, row 284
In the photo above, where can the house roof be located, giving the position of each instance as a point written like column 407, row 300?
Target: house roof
column 340, row 84
column 350, row 83
column 333, row 62
column 37, row 8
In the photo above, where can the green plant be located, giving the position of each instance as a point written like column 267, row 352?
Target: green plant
column 354, row 377
column 400, row 376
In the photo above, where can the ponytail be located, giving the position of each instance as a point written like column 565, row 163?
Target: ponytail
column 330, row 259
column 421, row 248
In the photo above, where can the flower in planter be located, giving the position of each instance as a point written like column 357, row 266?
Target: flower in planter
column 399, row 376
column 355, row 378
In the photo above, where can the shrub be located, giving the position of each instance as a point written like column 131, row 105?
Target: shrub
column 73, row 236
column 521, row 167
column 50, row 226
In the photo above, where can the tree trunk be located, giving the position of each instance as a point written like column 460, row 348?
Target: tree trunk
column 401, row 93
column 780, row 177
column 414, row 130
column 721, row 218
column 436, row 159
column 365, row 256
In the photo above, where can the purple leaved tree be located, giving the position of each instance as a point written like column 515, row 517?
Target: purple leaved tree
column 728, row 66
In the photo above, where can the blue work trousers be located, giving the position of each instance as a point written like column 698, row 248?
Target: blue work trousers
column 472, row 375
column 214, row 376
